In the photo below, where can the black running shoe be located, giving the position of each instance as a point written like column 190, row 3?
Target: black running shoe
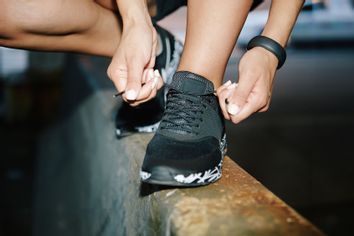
column 190, row 143
column 146, row 117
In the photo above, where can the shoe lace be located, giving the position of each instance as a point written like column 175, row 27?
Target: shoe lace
column 183, row 112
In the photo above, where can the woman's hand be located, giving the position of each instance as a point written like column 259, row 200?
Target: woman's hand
column 131, row 68
column 253, row 92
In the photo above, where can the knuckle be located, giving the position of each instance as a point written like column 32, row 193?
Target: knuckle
column 263, row 101
column 109, row 73
column 264, row 109
column 235, row 120
column 239, row 96
column 160, row 85
column 221, row 97
column 154, row 37
column 134, row 104
column 226, row 116
column 131, row 85
column 153, row 94
column 144, row 97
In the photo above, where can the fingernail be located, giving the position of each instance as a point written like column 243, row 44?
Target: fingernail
column 131, row 94
column 157, row 73
column 154, row 83
column 232, row 86
column 227, row 83
column 232, row 109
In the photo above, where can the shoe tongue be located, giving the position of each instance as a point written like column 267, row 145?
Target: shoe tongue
column 190, row 83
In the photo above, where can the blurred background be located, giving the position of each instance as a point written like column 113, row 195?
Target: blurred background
column 302, row 149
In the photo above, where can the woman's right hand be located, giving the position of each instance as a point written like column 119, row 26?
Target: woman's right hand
column 131, row 68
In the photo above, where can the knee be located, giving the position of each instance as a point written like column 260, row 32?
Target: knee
column 31, row 16
column 6, row 27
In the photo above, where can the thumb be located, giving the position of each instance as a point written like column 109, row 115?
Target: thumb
column 135, row 76
column 239, row 98
column 152, row 60
column 118, row 73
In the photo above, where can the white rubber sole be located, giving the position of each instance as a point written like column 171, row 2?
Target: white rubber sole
column 167, row 176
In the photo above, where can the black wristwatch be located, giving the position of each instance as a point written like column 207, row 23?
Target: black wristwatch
column 270, row 45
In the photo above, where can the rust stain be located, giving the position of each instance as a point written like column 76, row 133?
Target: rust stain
column 238, row 203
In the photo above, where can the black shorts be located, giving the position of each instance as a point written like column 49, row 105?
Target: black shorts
column 166, row 7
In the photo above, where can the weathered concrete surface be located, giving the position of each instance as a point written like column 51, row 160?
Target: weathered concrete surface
column 88, row 182
column 236, row 205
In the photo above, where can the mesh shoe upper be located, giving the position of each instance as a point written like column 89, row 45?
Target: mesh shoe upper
column 189, row 138
column 192, row 110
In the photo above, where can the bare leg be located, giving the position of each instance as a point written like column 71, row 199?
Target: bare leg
column 61, row 25
column 111, row 5
column 212, row 30
column 85, row 26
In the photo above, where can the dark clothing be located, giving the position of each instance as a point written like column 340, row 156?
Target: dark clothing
column 166, row 7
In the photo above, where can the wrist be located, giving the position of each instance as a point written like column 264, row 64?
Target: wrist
column 134, row 12
column 269, row 57
column 136, row 22
column 271, row 46
column 280, row 39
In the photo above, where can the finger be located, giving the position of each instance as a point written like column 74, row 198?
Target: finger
column 152, row 60
column 153, row 49
column 223, row 95
column 160, row 81
column 145, row 79
column 266, row 107
column 155, row 86
column 224, row 86
column 250, row 107
column 223, row 92
column 118, row 73
column 239, row 97
column 149, row 75
column 145, row 76
column 151, row 95
column 147, row 88
column 135, row 77
column 256, row 101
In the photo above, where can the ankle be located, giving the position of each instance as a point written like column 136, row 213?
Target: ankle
column 216, row 79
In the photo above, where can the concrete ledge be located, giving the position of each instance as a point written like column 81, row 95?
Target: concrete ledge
column 88, row 181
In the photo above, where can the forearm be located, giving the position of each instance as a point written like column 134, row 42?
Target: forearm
column 134, row 11
column 281, row 20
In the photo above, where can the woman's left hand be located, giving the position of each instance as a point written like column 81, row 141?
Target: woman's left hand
column 253, row 92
